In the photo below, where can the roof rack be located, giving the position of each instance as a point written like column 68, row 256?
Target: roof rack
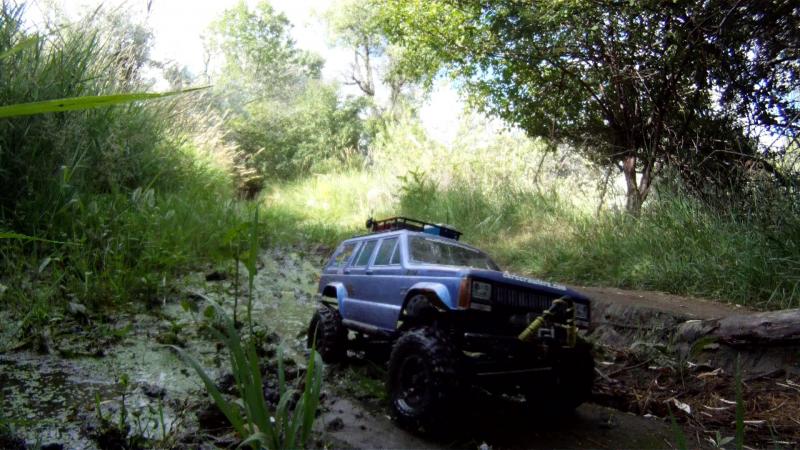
column 404, row 223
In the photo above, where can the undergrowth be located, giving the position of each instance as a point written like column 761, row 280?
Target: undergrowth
column 101, row 207
column 678, row 245
column 535, row 213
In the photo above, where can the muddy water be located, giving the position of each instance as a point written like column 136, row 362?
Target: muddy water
column 49, row 398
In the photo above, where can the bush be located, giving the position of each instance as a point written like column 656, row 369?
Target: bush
column 315, row 133
column 116, row 201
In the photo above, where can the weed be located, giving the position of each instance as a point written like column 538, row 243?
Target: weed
column 677, row 432
column 250, row 417
column 739, row 406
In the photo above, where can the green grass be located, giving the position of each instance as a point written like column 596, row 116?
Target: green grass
column 678, row 245
column 105, row 206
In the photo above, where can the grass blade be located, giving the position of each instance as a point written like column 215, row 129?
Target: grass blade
column 80, row 103
column 233, row 415
column 739, row 406
column 22, row 237
column 26, row 43
column 677, row 432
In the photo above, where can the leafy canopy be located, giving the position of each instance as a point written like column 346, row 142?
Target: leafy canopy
column 641, row 85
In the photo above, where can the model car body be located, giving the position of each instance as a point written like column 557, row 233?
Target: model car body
column 452, row 318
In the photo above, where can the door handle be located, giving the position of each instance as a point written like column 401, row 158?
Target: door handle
column 346, row 271
column 368, row 272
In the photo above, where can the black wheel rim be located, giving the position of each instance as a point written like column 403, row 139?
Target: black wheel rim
column 412, row 384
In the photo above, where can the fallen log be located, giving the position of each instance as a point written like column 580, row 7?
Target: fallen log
column 772, row 327
column 762, row 342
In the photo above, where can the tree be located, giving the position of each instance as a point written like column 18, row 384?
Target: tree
column 282, row 117
column 693, row 85
column 354, row 24
column 259, row 58
column 357, row 25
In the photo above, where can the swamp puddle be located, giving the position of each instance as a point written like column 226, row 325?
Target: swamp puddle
column 53, row 398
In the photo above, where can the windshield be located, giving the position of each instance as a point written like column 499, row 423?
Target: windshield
column 435, row 251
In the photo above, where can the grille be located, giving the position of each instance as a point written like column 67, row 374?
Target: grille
column 511, row 297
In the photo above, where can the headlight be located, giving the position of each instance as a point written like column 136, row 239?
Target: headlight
column 481, row 290
column 581, row 311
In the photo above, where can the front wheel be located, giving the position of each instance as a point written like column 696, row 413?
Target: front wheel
column 422, row 378
column 328, row 335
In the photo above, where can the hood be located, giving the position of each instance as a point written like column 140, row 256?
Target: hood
column 524, row 282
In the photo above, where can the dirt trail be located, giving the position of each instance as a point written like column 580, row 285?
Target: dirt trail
column 350, row 424
column 688, row 307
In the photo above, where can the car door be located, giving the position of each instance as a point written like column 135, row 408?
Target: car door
column 385, row 283
column 357, row 305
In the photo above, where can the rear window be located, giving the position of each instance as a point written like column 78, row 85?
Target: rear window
column 365, row 253
column 341, row 257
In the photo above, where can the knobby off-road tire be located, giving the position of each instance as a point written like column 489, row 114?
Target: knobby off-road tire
column 329, row 335
column 423, row 379
column 568, row 386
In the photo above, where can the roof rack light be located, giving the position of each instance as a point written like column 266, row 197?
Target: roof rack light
column 404, row 223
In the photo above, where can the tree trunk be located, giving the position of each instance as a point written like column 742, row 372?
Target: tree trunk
column 637, row 191
column 633, row 197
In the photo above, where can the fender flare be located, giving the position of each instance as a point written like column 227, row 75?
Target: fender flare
column 436, row 292
column 335, row 290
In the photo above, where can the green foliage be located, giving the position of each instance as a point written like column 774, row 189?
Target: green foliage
column 635, row 85
column 284, row 119
column 260, row 60
column 47, row 159
column 91, row 194
column 250, row 417
column 677, row 245
column 313, row 133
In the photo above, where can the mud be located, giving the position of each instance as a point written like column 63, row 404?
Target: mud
column 496, row 423
column 94, row 366
column 50, row 392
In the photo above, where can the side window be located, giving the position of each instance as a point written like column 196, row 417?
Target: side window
column 396, row 256
column 385, row 251
column 343, row 255
column 366, row 252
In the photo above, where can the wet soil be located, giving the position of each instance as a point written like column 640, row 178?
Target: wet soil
column 83, row 370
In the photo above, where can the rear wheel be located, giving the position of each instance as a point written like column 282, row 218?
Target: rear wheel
column 568, row 386
column 422, row 378
column 328, row 335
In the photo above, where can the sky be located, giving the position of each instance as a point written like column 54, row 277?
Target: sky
column 179, row 24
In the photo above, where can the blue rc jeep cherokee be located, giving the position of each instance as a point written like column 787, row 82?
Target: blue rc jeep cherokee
column 453, row 319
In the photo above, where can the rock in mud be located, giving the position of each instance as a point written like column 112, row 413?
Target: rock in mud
column 335, row 424
column 607, row 335
column 154, row 391
column 216, row 276
column 170, row 338
column 77, row 310
column 211, row 418
column 226, row 383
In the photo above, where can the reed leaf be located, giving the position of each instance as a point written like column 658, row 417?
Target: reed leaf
column 80, row 103
column 25, row 44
